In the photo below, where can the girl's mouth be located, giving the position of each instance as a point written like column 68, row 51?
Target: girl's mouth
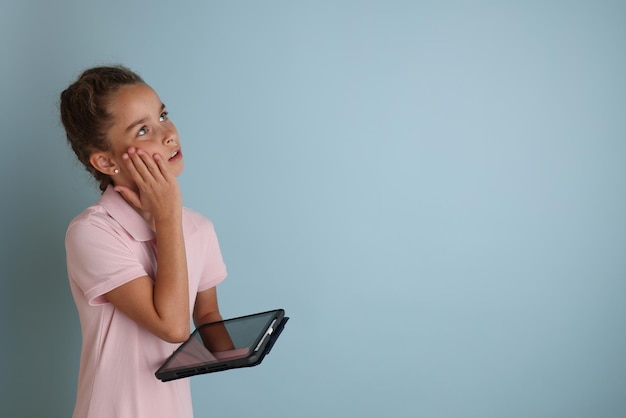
column 176, row 155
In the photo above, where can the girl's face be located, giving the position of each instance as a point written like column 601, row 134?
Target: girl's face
column 140, row 121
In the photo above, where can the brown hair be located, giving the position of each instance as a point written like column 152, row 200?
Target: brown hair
column 84, row 112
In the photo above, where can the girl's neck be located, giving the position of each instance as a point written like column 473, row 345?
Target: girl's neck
column 147, row 216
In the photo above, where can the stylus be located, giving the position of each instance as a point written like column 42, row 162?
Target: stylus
column 268, row 332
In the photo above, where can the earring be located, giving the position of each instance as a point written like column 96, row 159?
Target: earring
column 116, row 171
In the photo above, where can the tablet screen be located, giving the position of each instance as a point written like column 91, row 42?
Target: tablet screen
column 225, row 341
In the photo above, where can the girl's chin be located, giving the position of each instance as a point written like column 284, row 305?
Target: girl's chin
column 178, row 169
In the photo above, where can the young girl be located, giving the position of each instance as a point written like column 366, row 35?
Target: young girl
column 140, row 264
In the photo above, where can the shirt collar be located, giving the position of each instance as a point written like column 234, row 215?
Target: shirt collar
column 125, row 215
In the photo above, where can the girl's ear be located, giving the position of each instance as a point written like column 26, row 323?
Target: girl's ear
column 102, row 162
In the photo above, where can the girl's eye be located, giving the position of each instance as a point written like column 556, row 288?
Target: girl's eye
column 142, row 131
column 164, row 116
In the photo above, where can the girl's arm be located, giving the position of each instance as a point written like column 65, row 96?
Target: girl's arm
column 161, row 307
column 206, row 310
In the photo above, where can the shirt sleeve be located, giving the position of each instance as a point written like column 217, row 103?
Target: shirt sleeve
column 213, row 268
column 99, row 259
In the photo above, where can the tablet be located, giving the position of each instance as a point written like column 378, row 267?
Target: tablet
column 224, row 345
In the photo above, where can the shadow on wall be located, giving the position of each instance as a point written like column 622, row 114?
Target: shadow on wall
column 41, row 332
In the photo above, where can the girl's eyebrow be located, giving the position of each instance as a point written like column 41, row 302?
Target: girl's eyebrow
column 140, row 121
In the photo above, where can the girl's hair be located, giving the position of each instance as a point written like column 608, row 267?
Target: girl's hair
column 84, row 112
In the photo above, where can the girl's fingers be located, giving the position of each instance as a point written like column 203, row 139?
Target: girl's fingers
column 157, row 190
column 143, row 167
column 147, row 167
column 162, row 166
column 132, row 164
column 130, row 196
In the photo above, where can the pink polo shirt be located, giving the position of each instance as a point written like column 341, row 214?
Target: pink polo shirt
column 107, row 245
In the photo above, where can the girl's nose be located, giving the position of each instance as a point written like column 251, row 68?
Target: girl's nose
column 169, row 136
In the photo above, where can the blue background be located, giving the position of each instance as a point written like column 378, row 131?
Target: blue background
column 434, row 191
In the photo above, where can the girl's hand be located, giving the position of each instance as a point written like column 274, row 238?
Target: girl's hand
column 157, row 191
column 159, row 303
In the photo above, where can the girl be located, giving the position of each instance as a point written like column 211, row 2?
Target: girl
column 140, row 265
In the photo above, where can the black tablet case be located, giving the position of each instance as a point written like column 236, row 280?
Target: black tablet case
column 259, row 339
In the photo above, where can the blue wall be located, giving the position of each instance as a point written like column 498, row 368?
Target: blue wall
column 434, row 191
